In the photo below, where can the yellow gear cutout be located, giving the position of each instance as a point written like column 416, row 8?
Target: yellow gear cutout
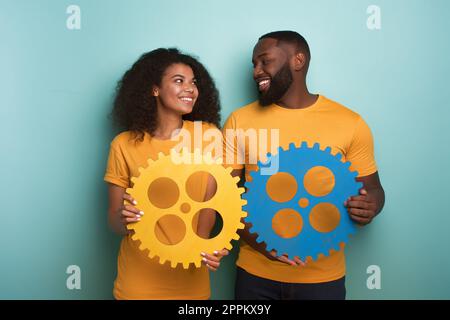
column 227, row 201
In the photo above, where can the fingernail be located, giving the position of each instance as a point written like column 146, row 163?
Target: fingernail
column 138, row 216
column 139, row 219
column 202, row 254
column 216, row 252
column 141, row 213
column 134, row 202
column 204, row 259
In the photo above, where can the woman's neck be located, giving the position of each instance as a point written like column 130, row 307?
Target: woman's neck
column 167, row 124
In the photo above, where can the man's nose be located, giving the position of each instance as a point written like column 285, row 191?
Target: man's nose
column 257, row 71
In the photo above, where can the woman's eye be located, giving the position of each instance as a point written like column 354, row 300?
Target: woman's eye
column 194, row 82
column 178, row 80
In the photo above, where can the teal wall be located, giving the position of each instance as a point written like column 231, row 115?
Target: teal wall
column 56, row 88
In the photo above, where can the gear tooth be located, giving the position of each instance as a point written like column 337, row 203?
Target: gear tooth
column 140, row 169
column 129, row 190
column 328, row 150
column 229, row 246
column 259, row 240
column 134, row 237
column 236, row 179
column 151, row 254
column 162, row 260
column 186, row 265
column 338, row 156
column 347, row 164
column 160, row 155
column 229, row 169
column 133, row 179
column 304, row 144
column 292, row 146
column 173, row 264
column 241, row 226
column 197, row 264
column 316, row 146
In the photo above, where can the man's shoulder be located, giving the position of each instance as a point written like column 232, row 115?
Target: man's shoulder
column 247, row 109
column 339, row 108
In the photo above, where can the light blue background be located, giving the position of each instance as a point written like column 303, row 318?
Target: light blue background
column 56, row 88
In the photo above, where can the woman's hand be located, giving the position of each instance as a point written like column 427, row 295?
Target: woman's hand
column 212, row 261
column 128, row 212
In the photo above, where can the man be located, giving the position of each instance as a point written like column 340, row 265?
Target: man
column 280, row 65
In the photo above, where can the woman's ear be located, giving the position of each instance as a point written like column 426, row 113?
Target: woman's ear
column 155, row 92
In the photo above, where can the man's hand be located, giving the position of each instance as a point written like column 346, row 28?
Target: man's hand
column 362, row 208
column 284, row 258
column 370, row 201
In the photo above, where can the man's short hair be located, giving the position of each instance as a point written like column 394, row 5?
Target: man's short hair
column 290, row 37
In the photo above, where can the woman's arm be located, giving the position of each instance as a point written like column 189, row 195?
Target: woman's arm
column 119, row 214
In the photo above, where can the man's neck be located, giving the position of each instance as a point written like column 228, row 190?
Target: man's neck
column 298, row 97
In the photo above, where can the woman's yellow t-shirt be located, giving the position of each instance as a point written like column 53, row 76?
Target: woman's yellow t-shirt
column 138, row 276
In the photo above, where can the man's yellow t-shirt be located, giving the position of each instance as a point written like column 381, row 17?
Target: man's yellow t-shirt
column 325, row 122
column 138, row 276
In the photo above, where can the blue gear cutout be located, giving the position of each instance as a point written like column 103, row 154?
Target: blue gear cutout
column 297, row 161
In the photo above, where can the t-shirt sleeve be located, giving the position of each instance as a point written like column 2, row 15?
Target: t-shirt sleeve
column 361, row 150
column 117, row 170
column 230, row 146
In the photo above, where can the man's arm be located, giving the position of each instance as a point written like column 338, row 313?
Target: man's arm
column 370, row 201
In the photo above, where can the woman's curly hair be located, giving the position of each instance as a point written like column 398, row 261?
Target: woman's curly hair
column 135, row 106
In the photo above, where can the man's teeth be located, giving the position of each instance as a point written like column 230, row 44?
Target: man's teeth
column 264, row 82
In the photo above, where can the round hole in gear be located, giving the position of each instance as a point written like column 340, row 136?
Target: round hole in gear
column 287, row 223
column 185, row 207
column 170, row 229
column 163, row 193
column 319, row 181
column 197, row 185
column 324, row 217
column 203, row 213
column 303, row 203
column 281, row 187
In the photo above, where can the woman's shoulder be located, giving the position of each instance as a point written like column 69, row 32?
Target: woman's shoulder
column 191, row 125
column 123, row 139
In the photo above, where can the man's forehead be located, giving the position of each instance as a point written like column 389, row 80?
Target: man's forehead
column 268, row 45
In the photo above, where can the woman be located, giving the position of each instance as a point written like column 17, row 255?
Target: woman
column 162, row 92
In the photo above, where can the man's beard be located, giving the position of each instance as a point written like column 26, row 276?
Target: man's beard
column 279, row 85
